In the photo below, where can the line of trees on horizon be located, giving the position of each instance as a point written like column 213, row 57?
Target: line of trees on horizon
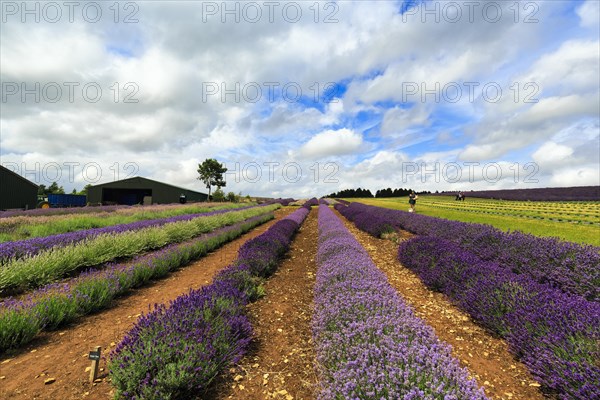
column 352, row 193
column 54, row 188
column 382, row 193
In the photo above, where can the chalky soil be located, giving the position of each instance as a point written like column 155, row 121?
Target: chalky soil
column 280, row 364
column 53, row 366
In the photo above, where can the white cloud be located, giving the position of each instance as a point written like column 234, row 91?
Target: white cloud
column 577, row 176
column 551, row 153
column 48, row 53
column 475, row 153
column 371, row 49
column 572, row 67
column 332, row 143
column 396, row 120
column 589, row 12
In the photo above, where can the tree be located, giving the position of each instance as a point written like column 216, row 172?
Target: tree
column 232, row 197
column 85, row 189
column 55, row 189
column 42, row 190
column 74, row 191
column 219, row 195
column 211, row 174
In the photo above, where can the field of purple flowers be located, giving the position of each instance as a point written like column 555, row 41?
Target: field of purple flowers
column 579, row 193
column 541, row 295
column 369, row 343
column 570, row 267
column 29, row 247
column 555, row 334
column 176, row 351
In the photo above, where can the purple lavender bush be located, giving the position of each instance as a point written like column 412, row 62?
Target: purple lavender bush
column 287, row 201
column 240, row 276
column 61, row 211
column 283, row 202
column 368, row 341
column 311, row 202
column 555, row 334
column 375, row 225
column 176, row 352
column 569, row 267
column 330, row 201
column 261, row 253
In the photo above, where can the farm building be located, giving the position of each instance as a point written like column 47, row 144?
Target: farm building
column 140, row 190
column 16, row 191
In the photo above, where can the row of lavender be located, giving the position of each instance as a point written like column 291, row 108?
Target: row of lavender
column 369, row 343
column 311, row 202
column 27, row 227
column 60, row 211
column 556, row 334
column 570, row 267
column 578, row 193
column 29, row 247
column 176, row 351
column 327, row 201
column 18, row 275
column 57, row 304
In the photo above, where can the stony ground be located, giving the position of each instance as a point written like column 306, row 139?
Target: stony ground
column 54, row 365
column 280, row 364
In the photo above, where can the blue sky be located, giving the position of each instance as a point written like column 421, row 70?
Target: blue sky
column 349, row 93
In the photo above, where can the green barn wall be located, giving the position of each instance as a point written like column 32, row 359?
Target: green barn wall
column 162, row 193
column 16, row 191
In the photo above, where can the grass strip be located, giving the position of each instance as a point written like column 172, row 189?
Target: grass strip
column 57, row 304
column 31, row 228
column 176, row 351
column 49, row 265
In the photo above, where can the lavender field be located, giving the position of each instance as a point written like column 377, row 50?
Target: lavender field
column 300, row 200
column 578, row 193
column 537, row 296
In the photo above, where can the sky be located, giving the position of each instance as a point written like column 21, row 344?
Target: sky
column 303, row 98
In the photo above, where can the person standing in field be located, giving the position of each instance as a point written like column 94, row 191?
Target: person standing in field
column 412, row 200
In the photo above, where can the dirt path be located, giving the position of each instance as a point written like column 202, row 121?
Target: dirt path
column 486, row 357
column 62, row 355
column 280, row 364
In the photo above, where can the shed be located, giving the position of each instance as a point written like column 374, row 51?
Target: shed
column 16, row 191
column 138, row 190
